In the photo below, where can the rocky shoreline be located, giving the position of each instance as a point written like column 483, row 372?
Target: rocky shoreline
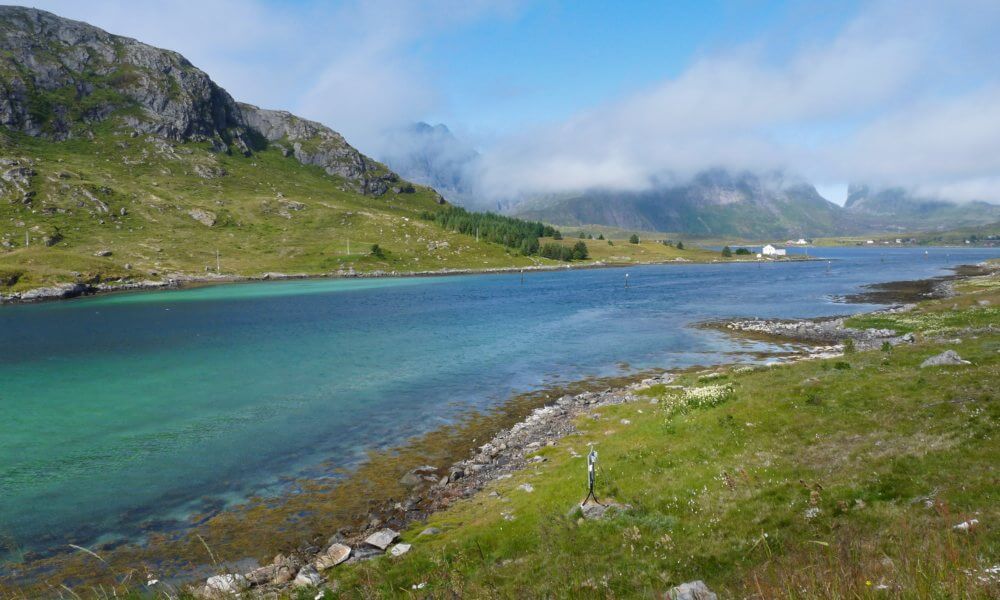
column 433, row 488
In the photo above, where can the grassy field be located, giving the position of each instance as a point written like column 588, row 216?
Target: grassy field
column 839, row 478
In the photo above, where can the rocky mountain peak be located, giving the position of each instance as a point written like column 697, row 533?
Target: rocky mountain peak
column 61, row 78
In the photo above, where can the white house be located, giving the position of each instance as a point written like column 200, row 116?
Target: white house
column 770, row 250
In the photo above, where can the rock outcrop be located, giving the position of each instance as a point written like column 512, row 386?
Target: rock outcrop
column 60, row 77
column 314, row 144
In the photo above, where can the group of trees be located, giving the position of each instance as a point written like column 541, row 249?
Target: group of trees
column 507, row 231
column 727, row 252
column 560, row 252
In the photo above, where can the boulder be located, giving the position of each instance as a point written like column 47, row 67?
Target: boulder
column 399, row 549
column 430, row 531
column 382, row 539
column 204, row 217
column 334, row 555
column 692, row 590
column 308, row 577
column 228, row 584
column 948, row 357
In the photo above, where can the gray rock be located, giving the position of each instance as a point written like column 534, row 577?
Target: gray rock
column 430, row 531
column 308, row 577
column 948, row 357
column 228, row 584
column 202, row 216
column 382, row 539
column 399, row 549
column 692, row 590
column 334, row 555
column 102, row 253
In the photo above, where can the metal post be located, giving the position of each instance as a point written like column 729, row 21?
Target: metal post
column 591, row 476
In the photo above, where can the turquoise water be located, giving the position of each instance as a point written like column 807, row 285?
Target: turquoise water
column 133, row 410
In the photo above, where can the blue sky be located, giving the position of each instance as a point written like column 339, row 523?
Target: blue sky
column 563, row 95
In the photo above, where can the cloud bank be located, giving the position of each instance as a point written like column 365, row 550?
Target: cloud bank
column 901, row 96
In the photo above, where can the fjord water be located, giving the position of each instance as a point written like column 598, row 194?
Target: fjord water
column 122, row 410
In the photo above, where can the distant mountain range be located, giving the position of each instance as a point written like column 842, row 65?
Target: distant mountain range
column 720, row 203
column 715, row 203
column 896, row 209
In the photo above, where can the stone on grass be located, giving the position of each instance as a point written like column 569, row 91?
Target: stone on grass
column 692, row 590
column 399, row 549
column 230, row 583
column 308, row 577
column 381, row 539
column 595, row 511
column 430, row 531
column 526, row 487
column 948, row 357
column 334, row 555
column 966, row 525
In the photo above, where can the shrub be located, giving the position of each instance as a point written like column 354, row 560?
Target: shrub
column 841, row 366
column 849, row 347
column 680, row 245
column 580, row 251
column 600, row 236
column 377, row 252
column 634, row 239
column 582, row 236
column 886, row 347
column 742, row 252
column 557, row 236
column 727, row 252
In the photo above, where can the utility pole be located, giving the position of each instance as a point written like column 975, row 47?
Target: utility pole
column 218, row 267
column 27, row 240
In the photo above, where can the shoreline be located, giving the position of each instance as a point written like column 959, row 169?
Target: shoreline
column 434, row 487
column 69, row 291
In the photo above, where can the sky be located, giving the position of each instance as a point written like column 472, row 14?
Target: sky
column 569, row 95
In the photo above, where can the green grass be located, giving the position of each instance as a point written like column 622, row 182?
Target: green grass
column 257, row 229
column 799, row 481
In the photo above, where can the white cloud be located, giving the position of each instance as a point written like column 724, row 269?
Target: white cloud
column 881, row 101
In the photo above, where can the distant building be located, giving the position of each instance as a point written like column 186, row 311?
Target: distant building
column 770, row 250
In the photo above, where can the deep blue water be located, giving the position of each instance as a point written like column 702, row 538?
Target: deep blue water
column 123, row 408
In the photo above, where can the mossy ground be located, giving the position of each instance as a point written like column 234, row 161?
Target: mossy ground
column 839, row 478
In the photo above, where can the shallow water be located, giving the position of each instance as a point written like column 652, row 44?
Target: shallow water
column 123, row 410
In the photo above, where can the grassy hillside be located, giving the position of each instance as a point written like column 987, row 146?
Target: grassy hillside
column 839, row 478
column 164, row 208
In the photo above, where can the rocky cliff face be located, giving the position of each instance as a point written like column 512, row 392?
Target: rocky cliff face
column 313, row 144
column 61, row 79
